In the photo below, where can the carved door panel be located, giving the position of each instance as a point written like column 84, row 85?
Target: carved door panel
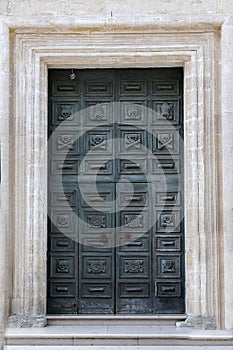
column 120, row 157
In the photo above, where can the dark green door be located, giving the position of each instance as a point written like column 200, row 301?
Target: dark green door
column 122, row 176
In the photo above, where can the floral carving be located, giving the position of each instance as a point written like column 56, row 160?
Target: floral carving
column 168, row 266
column 134, row 266
column 133, row 221
column 96, row 266
column 63, row 220
column 96, row 221
column 167, row 220
column 165, row 110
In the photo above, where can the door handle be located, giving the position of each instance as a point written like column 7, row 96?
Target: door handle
column 168, row 243
column 134, row 244
column 133, row 290
column 96, row 289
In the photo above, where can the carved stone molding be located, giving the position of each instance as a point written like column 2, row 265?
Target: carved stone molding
column 35, row 52
column 27, row 321
column 5, row 185
column 120, row 22
column 199, row 322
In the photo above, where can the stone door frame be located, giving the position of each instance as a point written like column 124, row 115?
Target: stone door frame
column 32, row 52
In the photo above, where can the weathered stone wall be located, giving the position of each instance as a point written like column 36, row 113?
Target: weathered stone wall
column 114, row 8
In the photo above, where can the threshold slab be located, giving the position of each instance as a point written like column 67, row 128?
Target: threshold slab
column 116, row 336
column 158, row 320
column 106, row 347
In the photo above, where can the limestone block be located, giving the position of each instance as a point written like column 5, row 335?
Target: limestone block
column 3, row 7
column 227, row 6
column 227, row 175
column 28, row 8
column 161, row 6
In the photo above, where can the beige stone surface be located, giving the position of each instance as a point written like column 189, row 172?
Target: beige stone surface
column 4, row 191
column 111, row 8
column 3, row 7
column 162, row 7
column 53, row 7
column 227, row 169
column 226, row 6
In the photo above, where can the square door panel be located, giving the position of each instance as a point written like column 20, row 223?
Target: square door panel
column 168, row 221
column 98, row 142
column 97, row 222
column 168, row 266
column 62, row 221
column 134, row 266
column 65, row 143
column 133, row 112
column 165, row 112
column 133, row 221
column 98, row 112
column 165, row 141
column 62, row 266
column 133, row 141
column 65, row 111
column 96, row 267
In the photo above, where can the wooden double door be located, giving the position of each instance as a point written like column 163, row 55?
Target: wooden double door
column 118, row 148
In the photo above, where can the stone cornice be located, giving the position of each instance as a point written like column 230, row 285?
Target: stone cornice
column 151, row 23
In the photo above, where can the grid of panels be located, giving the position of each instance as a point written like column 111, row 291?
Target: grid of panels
column 145, row 272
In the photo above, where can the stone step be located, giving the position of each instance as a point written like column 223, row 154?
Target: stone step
column 118, row 336
column 103, row 347
column 161, row 320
